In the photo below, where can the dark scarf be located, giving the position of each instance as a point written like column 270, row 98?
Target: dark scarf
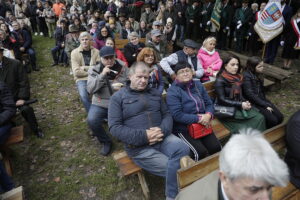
column 236, row 81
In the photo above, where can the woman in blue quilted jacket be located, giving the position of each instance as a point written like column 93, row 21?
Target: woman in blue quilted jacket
column 189, row 104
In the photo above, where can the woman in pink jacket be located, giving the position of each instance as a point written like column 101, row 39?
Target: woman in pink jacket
column 210, row 59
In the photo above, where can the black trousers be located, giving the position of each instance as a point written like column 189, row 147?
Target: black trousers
column 28, row 114
column 271, row 50
column 190, row 30
column 272, row 118
column 33, row 24
column 222, row 38
column 202, row 147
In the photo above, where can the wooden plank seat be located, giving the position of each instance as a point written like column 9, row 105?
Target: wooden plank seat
column 120, row 43
column 192, row 171
column 14, row 194
column 16, row 136
column 128, row 167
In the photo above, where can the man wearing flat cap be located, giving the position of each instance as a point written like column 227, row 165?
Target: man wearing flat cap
column 156, row 25
column 187, row 54
column 157, row 44
column 72, row 40
column 103, row 80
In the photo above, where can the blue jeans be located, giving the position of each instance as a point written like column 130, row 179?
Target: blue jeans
column 4, row 133
column 180, row 30
column 84, row 95
column 162, row 159
column 95, row 119
column 31, row 53
column 6, row 181
column 59, row 55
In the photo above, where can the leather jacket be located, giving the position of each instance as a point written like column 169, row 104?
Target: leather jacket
column 223, row 89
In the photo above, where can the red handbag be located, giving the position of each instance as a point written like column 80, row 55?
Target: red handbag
column 199, row 130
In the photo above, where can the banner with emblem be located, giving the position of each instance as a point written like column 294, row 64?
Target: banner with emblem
column 270, row 21
column 216, row 14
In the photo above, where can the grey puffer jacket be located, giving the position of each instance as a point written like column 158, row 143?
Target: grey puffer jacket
column 97, row 83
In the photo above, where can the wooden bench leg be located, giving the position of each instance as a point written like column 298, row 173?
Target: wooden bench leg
column 144, row 185
column 6, row 161
column 7, row 165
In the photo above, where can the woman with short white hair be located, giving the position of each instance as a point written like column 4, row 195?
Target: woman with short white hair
column 133, row 48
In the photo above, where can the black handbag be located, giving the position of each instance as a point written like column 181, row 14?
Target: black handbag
column 223, row 111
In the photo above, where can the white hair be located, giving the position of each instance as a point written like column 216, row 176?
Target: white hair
column 85, row 34
column 133, row 35
column 249, row 155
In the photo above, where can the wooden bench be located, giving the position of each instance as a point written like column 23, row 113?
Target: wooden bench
column 16, row 136
column 192, row 171
column 128, row 167
column 120, row 43
column 14, row 194
column 270, row 71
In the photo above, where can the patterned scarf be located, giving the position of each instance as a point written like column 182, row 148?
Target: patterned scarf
column 236, row 81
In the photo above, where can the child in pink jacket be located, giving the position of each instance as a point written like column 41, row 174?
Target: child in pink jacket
column 210, row 59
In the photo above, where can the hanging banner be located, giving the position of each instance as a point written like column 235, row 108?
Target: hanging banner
column 216, row 14
column 270, row 21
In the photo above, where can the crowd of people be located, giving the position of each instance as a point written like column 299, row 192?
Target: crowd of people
column 126, row 87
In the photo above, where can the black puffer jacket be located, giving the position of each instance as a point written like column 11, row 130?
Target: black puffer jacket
column 131, row 51
column 13, row 74
column 254, row 91
column 7, row 104
column 223, row 89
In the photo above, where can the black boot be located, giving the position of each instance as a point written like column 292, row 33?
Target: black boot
column 35, row 68
column 106, row 148
column 40, row 133
column 27, row 68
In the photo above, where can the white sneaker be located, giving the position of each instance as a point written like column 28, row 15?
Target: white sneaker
column 41, row 33
column 35, row 33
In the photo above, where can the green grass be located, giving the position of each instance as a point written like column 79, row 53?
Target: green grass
column 66, row 164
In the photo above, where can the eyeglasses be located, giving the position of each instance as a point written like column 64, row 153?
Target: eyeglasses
column 149, row 55
column 184, row 71
column 103, row 31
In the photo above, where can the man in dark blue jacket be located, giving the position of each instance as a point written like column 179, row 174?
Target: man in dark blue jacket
column 24, row 38
column 140, row 119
